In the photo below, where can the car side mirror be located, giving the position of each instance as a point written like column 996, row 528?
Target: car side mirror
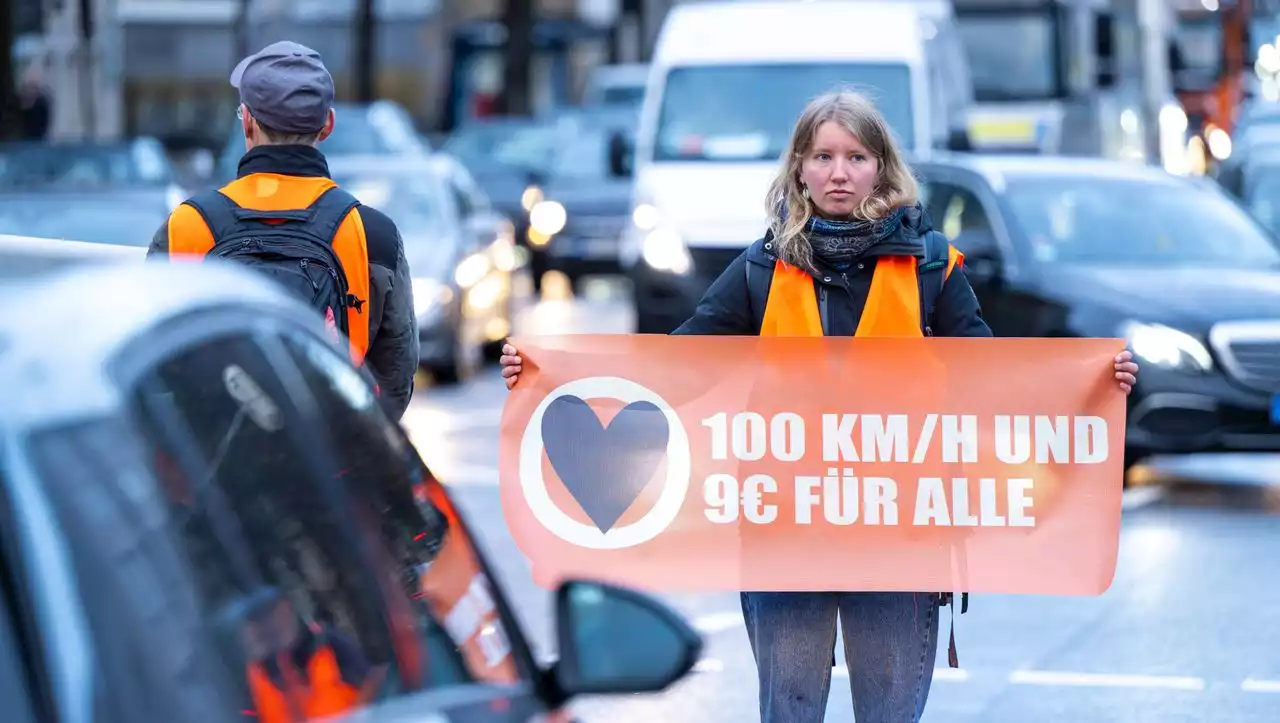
column 613, row 640
column 619, row 156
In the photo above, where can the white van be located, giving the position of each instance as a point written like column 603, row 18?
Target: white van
column 727, row 82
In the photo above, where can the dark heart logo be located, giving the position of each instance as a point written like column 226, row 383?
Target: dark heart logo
column 605, row 469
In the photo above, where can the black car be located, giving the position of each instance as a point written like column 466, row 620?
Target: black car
column 200, row 498
column 585, row 208
column 1074, row 247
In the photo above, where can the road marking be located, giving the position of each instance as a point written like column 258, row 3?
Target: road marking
column 718, row 622
column 708, row 665
column 465, row 475
column 1139, row 497
column 1106, row 680
column 1251, row 685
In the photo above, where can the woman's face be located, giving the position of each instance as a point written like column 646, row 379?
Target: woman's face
column 838, row 171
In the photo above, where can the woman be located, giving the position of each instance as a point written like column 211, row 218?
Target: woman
column 843, row 211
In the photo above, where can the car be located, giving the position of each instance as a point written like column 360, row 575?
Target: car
column 585, row 209
column 1078, row 247
column 508, row 157
column 462, row 256
column 201, row 498
column 102, row 192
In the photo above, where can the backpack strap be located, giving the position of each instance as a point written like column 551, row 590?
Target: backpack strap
column 218, row 211
column 758, row 281
column 328, row 211
column 932, row 276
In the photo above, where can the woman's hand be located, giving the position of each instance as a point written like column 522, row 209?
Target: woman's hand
column 1126, row 370
column 511, row 365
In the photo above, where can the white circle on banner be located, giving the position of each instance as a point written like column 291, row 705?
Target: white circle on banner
column 675, row 486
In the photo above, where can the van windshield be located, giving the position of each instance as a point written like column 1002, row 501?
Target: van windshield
column 1011, row 56
column 747, row 112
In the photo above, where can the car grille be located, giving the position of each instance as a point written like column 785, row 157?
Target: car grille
column 602, row 227
column 1250, row 352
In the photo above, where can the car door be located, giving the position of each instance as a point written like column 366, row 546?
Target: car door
column 964, row 212
column 294, row 496
column 444, row 582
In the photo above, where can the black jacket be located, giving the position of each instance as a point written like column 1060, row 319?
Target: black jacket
column 392, row 357
column 726, row 307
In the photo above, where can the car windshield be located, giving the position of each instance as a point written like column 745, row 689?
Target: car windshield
column 511, row 144
column 1262, row 196
column 106, row 219
column 1124, row 222
column 1010, row 56
column 746, row 112
column 140, row 163
column 585, row 156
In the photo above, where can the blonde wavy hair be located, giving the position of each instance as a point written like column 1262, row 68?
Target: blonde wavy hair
column 854, row 112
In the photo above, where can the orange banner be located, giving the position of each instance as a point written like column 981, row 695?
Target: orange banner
column 740, row 463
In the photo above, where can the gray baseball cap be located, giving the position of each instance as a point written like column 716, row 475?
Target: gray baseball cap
column 286, row 87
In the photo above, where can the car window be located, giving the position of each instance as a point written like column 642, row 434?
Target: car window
column 16, row 688
column 432, row 555
column 278, row 567
column 958, row 213
column 153, row 650
column 1090, row 220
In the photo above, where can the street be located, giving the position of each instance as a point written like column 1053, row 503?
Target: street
column 1189, row 631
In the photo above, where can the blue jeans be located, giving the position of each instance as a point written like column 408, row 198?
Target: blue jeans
column 890, row 642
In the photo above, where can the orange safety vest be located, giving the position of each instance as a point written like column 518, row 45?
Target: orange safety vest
column 190, row 237
column 326, row 693
column 892, row 308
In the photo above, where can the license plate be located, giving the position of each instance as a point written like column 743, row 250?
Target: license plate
column 1275, row 409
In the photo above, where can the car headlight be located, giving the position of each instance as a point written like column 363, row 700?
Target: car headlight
column 547, row 218
column 664, row 250
column 1168, row 348
column 429, row 297
column 645, row 217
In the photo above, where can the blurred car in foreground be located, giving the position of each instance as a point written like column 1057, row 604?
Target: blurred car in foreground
column 204, row 509
column 1073, row 247
column 462, row 257
column 382, row 128
column 585, row 209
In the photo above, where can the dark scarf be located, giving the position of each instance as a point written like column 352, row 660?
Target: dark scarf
column 839, row 243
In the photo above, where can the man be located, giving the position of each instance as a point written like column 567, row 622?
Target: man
column 300, row 671
column 286, row 110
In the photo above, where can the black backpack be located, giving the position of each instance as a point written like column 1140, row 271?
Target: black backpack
column 293, row 247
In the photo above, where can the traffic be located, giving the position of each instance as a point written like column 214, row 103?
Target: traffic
column 272, row 493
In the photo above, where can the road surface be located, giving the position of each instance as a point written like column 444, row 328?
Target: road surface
column 1189, row 631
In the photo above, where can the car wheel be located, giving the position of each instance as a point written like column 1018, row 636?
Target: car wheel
column 462, row 364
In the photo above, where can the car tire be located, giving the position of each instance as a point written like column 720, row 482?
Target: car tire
column 462, row 364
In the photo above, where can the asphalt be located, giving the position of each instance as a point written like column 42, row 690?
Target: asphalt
column 1189, row 630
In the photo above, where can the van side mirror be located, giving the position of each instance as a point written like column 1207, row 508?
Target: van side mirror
column 619, row 155
column 959, row 140
column 613, row 640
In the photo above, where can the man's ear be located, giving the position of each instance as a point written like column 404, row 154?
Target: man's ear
column 328, row 125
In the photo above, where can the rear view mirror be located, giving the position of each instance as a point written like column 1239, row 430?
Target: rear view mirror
column 619, row 156
column 613, row 640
